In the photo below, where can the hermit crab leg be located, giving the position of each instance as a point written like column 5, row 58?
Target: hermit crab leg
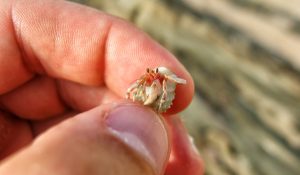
column 164, row 95
column 142, row 91
column 152, row 92
column 170, row 75
column 131, row 89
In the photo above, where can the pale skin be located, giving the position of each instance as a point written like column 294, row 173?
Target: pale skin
column 61, row 61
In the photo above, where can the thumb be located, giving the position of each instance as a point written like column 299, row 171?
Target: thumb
column 113, row 139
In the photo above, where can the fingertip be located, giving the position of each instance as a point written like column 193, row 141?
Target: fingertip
column 143, row 130
column 184, row 158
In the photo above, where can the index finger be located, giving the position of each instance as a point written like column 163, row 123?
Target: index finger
column 73, row 42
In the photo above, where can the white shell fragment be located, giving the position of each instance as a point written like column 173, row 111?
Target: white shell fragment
column 156, row 88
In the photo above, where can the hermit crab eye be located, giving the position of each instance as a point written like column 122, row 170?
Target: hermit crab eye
column 159, row 93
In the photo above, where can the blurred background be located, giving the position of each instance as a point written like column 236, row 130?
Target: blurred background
column 244, row 56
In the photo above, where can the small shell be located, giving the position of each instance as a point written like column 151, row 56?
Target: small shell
column 156, row 88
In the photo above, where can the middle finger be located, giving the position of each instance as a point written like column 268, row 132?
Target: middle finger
column 45, row 97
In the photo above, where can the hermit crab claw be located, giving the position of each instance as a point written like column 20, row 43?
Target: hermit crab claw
column 152, row 92
column 176, row 79
column 170, row 75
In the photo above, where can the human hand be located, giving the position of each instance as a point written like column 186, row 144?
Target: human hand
column 61, row 61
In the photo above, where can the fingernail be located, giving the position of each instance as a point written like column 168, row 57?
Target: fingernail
column 142, row 130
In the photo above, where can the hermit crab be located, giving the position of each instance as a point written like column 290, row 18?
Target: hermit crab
column 156, row 88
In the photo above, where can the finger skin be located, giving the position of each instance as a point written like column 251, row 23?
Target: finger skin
column 14, row 134
column 88, row 144
column 37, row 99
column 69, row 41
column 61, row 157
column 82, row 98
column 11, row 62
column 39, row 127
column 43, row 98
column 184, row 158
